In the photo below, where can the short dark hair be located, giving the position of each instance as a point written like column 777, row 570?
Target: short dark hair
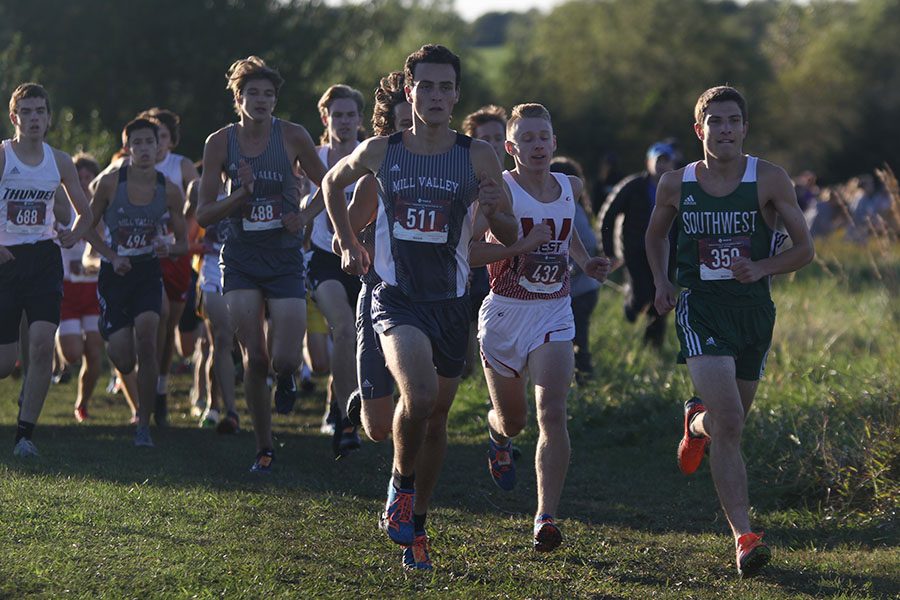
column 388, row 94
column 139, row 123
column 485, row 114
column 431, row 54
column 720, row 93
column 28, row 90
column 168, row 118
column 247, row 69
column 85, row 161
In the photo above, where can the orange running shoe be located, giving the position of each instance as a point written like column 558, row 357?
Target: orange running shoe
column 691, row 448
column 752, row 554
column 417, row 556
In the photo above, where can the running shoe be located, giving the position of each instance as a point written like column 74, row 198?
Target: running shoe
column 417, row 556
column 61, row 377
column 285, row 394
column 210, row 419
column 354, row 408
column 547, row 536
column 397, row 518
column 752, row 554
column 25, row 449
column 691, row 448
column 501, row 465
column 263, row 462
column 142, row 437
column 330, row 420
column 161, row 411
column 114, row 386
column 345, row 439
column 230, row 424
column 81, row 413
column 307, row 385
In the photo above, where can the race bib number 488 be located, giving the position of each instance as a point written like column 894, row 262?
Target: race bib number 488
column 716, row 256
column 421, row 220
column 23, row 216
column 263, row 214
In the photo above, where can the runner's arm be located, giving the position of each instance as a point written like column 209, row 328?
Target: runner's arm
column 493, row 197
column 776, row 187
column 210, row 211
column 103, row 189
column 175, row 203
column 72, row 184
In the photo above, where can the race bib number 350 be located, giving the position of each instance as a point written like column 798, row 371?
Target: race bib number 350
column 542, row 273
column 717, row 256
column 421, row 220
column 23, row 216
column 263, row 214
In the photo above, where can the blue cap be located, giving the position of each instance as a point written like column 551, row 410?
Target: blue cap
column 658, row 149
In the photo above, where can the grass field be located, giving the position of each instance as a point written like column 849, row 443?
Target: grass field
column 96, row 517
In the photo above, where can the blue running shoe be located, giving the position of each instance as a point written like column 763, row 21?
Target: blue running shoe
column 501, row 465
column 263, row 462
column 397, row 519
column 417, row 557
column 547, row 536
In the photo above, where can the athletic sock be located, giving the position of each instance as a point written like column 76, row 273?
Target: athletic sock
column 419, row 522
column 162, row 384
column 24, row 430
column 402, row 482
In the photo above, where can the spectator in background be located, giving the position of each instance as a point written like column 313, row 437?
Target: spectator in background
column 585, row 289
column 869, row 207
column 633, row 200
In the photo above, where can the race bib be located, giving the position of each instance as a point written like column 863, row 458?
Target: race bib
column 263, row 214
column 75, row 268
column 421, row 220
column 542, row 273
column 24, row 216
column 135, row 240
column 716, row 256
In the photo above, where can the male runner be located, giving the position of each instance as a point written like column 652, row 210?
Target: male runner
column 176, row 271
column 428, row 178
column 334, row 291
column 31, row 273
column 526, row 321
column 133, row 201
column 726, row 206
column 261, row 261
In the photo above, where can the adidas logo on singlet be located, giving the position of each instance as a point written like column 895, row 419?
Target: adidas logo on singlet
column 14, row 171
column 689, row 201
column 710, row 342
column 233, row 167
column 395, row 169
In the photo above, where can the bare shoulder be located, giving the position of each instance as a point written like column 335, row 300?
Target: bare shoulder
column 295, row 133
column 481, row 149
column 577, row 185
column 770, row 173
column 63, row 159
column 669, row 187
column 218, row 137
column 107, row 180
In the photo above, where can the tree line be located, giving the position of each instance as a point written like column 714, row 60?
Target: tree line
column 822, row 78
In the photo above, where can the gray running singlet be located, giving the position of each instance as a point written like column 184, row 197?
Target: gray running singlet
column 133, row 228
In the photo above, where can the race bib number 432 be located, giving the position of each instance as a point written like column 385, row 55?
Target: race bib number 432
column 263, row 214
column 23, row 216
column 716, row 256
column 421, row 220
column 542, row 273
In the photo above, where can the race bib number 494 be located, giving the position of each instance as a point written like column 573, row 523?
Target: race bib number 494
column 263, row 214
column 135, row 240
column 421, row 220
column 23, row 216
column 716, row 256
column 542, row 273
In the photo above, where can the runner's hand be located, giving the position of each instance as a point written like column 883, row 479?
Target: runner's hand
column 746, row 270
column 355, row 259
column 539, row 235
column 665, row 298
column 66, row 238
column 293, row 222
column 490, row 193
column 245, row 174
column 160, row 248
column 597, row 267
column 5, row 255
column 121, row 265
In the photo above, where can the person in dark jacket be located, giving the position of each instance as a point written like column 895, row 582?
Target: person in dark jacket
column 632, row 200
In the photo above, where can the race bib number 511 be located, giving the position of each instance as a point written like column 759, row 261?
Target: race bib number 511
column 23, row 216
column 421, row 220
column 716, row 256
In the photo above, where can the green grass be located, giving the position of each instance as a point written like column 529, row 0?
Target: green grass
column 96, row 517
